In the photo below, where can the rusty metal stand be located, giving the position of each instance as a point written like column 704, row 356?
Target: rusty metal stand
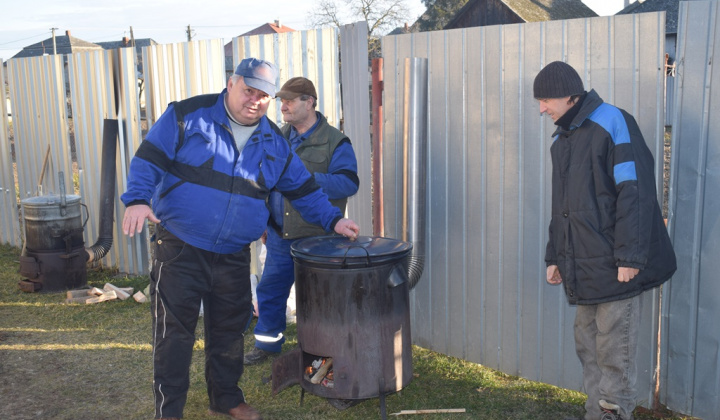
column 383, row 407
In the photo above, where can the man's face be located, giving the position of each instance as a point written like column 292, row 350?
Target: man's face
column 296, row 111
column 246, row 104
column 555, row 107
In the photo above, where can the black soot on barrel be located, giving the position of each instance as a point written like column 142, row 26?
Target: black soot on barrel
column 353, row 319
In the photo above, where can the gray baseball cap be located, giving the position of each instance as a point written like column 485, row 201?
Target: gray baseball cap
column 258, row 74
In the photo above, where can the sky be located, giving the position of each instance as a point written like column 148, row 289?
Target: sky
column 26, row 22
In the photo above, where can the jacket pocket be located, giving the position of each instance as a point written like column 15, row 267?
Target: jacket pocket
column 315, row 161
column 168, row 247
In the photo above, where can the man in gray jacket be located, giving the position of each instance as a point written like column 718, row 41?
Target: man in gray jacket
column 608, row 242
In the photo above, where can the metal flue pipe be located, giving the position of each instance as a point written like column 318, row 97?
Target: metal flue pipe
column 415, row 117
column 107, row 192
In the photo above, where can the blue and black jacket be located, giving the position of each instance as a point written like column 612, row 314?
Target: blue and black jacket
column 605, row 212
column 209, row 194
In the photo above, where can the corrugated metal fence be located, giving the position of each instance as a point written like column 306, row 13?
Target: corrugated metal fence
column 691, row 305
column 103, row 85
column 177, row 71
column 483, row 296
column 9, row 228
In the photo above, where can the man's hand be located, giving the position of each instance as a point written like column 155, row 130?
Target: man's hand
column 625, row 274
column 553, row 275
column 347, row 228
column 134, row 218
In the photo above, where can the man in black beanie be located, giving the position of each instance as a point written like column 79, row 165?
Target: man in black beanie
column 607, row 242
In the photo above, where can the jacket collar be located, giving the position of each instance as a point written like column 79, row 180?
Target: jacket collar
column 590, row 104
column 312, row 139
column 219, row 115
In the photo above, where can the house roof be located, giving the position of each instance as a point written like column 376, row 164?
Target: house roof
column 125, row 43
column 542, row 10
column 401, row 30
column 537, row 10
column 64, row 44
column 269, row 28
column 670, row 7
column 264, row 29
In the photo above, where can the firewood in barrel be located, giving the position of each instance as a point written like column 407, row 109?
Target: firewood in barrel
column 320, row 374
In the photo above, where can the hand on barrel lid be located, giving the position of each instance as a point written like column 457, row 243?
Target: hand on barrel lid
column 347, row 228
column 135, row 216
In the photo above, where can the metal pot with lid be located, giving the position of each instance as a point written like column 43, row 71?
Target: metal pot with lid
column 353, row 309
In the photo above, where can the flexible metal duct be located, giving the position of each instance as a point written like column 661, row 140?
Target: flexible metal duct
column 415, row 163
column 107, row 192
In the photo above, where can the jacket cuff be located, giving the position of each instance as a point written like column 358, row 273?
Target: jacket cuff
column 137, row 202
column 639, row 266
column 335, row 222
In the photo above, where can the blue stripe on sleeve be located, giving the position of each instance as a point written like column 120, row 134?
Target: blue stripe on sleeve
column 624, row 172
column 611, row 119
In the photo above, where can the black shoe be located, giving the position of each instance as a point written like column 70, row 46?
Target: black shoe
column 257, row 356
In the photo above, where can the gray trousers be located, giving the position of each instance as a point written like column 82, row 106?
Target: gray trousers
column 606, row 343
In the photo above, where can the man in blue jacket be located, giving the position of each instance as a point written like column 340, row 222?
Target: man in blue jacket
column 329, row 156
column 608, row 242
column 207, row 167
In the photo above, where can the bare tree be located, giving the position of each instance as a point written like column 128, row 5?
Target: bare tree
column 382, row 16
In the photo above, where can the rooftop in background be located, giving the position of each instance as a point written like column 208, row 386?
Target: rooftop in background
column 541, row 10
column 670, row 7
column 126, row 43
column 269, row 28
column 67, row 44
column 64, row 44
column 498, row 12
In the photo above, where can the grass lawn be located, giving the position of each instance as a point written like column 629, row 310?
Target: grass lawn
column 76, row 362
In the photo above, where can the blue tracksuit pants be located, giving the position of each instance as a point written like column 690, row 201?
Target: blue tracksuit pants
column 273, row 291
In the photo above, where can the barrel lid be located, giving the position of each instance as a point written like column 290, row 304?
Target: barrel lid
column 50, row 199
column 342, row 252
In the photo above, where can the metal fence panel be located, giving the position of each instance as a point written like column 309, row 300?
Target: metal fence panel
column 355, row 100
column 173, row 72
column 691, row 306
column 104, row 85
column 482, row 296
column 92, row 96
column 39, row 103
column 312, row 54
column 9, row 227
column 133, row 256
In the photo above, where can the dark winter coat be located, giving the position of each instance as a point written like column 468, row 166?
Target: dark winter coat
column 605, row 212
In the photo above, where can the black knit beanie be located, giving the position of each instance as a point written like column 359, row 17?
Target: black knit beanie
column 557, row 80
